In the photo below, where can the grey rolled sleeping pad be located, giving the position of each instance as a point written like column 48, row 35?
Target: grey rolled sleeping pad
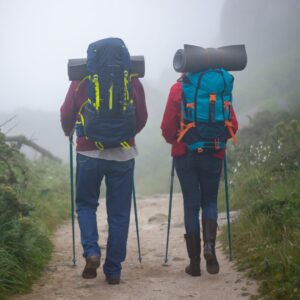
column 77, row 67
column 196, row 59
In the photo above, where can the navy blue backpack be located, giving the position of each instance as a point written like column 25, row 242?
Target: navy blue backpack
column 107, row 117
column 206, row 107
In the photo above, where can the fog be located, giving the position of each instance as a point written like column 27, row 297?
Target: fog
column 38, row 37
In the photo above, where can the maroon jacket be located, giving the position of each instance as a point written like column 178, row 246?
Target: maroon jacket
column 171, row 122
column 75, row 97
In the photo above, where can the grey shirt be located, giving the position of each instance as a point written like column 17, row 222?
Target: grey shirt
column 117, row 154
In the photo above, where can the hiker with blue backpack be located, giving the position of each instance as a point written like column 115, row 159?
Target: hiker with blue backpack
column 198, row 120
column 107, row 109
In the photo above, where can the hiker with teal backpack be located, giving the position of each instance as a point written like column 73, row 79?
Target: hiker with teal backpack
column 107, row 109
column 198, row 120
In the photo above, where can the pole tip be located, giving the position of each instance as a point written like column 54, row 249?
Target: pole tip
column 165, row 263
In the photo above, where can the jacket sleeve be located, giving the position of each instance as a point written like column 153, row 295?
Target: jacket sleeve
column 234, row 121
column 171, row 118
column 68, row 111
column 140, row 105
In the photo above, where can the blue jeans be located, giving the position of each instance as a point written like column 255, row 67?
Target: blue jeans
column 199, row 177
column 119, row 183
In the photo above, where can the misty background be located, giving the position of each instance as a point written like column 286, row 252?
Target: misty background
column 38, row 37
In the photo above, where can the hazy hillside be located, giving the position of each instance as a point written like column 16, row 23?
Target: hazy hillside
column 270, row 30
column 40, row 126
column 267, row 27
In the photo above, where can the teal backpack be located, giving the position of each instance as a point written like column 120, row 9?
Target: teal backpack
column 206, row 109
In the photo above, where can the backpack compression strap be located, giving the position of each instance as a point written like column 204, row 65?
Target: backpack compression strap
column 95, row 81
column 127, row 100
column 184, row 128
column 125, row 145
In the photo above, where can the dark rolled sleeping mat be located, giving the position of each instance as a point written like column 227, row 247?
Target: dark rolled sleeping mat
column 77, row 67
column 196, row 59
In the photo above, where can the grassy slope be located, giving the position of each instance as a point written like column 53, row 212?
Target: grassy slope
column 265, row 184
column 33, row 200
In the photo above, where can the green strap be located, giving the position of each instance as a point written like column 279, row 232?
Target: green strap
column 99, row 145
column 126, row 92
column 111, row 96
column 97, row 91
column 125, row 145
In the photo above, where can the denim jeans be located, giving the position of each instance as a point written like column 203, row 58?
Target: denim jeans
column 119, row 182
column 199, row 177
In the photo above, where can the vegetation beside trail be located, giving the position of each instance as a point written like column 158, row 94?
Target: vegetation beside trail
column 33, row 200
column 264, row 176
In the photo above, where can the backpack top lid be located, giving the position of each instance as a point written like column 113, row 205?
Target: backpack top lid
column 108, row 67
column 210, row 81
column 107, row 53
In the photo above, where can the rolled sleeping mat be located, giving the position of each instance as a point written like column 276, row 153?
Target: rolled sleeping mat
column 77, row 67
column 137, row 65
column 196, row 59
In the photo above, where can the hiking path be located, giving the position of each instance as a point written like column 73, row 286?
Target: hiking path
column 147, row 280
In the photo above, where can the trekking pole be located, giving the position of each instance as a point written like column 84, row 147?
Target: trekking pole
column 72, row 197
column 227, row 208
column 170, row 210
column 136, row 222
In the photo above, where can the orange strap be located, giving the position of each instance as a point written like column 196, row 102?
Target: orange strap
column 212, row 98
column 190, row 105
column 229, row 126
column 184, row 129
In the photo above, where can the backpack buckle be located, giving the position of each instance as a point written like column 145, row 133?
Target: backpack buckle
column 227, row 105
column 217, row 144
column 190, row 105
column 125, row 145
column 212, row 98
column 99, row 145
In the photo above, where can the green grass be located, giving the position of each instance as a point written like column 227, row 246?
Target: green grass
column 265, row 187
column 34, row 199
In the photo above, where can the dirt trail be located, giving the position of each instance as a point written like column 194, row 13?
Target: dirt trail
column 149, row 280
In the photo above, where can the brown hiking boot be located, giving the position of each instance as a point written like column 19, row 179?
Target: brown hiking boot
column 209, row 236
column 91, row 266
column 113, row 280
column 194, row 249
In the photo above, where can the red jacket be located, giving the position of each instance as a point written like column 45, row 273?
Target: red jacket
column 171, row 122
column 75, row 97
